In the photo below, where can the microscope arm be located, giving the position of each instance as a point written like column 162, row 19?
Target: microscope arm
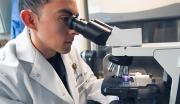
column 168, row 59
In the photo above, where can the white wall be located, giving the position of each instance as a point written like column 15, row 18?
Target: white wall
column 121, row 6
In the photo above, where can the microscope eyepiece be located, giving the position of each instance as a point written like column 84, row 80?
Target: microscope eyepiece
column 95, row 31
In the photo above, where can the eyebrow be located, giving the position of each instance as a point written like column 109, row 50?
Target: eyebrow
column 69, row 12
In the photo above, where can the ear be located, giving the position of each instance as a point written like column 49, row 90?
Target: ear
column 29, row 18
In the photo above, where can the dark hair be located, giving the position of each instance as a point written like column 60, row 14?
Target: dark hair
column 34, row 5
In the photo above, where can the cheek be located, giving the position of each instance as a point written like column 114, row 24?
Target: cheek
column 63, row 29
column 57, row 28
column 58, row 34
column 53, row 32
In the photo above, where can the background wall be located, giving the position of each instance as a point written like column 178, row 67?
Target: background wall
column 120, row 6
column 5, row 9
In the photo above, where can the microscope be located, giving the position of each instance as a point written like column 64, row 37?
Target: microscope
column 125, row 44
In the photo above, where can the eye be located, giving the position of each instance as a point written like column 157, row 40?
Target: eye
column 64, row 18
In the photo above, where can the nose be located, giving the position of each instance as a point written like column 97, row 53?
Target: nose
column 73, row 32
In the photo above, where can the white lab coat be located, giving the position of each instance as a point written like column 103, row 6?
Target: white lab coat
column 26, row 77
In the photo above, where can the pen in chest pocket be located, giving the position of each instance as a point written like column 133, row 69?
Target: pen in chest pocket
column 77, row 73
column 74, row 66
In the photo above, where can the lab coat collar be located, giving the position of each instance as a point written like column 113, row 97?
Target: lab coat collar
column 24, row 48
column 42, row 71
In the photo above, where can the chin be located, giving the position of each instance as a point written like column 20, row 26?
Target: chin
column 65, row 51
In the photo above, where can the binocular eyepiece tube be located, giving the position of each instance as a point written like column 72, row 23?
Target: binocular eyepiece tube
column 94, row 30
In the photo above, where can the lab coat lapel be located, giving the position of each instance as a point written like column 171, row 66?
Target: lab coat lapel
column 68, row 61
column 44, row 73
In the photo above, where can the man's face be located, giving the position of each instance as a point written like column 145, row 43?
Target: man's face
column 52, row 31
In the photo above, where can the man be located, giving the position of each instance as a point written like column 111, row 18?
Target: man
column 39, row 66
